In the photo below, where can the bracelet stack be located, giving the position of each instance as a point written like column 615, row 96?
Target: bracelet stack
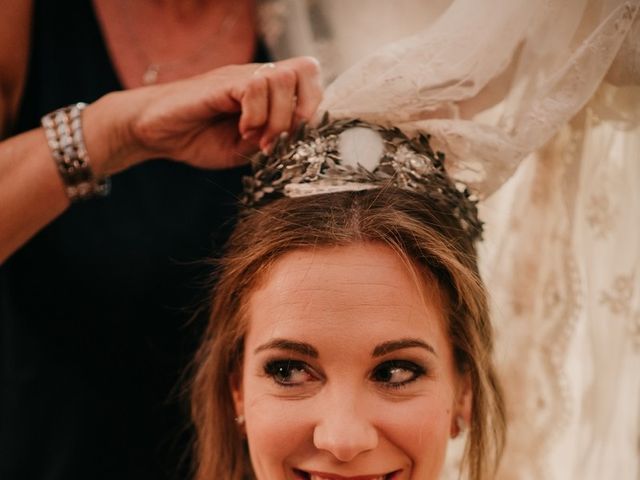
column 63, row 129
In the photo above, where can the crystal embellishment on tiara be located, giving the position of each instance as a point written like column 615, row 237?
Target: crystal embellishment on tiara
column 318, row 160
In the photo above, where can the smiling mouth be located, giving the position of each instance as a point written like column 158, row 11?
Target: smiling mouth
column 304, row 475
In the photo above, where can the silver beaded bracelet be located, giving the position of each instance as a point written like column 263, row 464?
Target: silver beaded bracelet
column 63, row 128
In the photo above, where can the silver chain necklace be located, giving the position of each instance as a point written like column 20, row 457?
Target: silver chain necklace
column 153, row 69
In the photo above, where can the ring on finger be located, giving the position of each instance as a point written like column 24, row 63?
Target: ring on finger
column 264, row 66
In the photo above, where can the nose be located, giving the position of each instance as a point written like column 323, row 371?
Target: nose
column 344, row 430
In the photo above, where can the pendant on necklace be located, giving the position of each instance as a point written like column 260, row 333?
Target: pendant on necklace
column 150, row 75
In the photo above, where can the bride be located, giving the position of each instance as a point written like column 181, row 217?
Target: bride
column 349, row 333
column 513, row 95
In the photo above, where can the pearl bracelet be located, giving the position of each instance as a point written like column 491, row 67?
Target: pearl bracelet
column 63, row 129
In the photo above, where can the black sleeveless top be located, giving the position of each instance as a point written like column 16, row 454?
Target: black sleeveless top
column 95, row 310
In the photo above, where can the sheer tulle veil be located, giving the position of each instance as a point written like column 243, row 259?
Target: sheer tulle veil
column 528, row 100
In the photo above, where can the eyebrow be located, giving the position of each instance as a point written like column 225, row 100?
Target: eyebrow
column 394, row 345
column 310, row 351
column 283, row 344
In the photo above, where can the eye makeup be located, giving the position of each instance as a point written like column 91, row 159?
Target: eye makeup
column 287, row 372
column 397, row 373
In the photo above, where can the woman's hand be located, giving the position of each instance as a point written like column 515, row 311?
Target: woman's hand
column 214, row 120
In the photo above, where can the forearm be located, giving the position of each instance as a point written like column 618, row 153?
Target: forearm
column 32, row 192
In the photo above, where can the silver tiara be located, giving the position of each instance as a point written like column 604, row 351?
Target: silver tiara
column 352, row 155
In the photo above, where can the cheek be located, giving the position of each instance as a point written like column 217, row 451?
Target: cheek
column 421, row 429
column 277, row 430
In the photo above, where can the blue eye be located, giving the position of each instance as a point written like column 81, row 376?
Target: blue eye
column 397, row 373
column 289, row 373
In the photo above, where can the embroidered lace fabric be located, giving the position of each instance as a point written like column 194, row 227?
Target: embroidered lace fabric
column 562, row 264
column 513, row 93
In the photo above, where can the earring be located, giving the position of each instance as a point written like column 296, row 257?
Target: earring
column 460, row 427
column 239, row 419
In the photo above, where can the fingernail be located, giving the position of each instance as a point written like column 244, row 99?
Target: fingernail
column 265, row 146
column 250, row 134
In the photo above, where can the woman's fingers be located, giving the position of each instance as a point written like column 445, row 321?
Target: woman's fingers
column 282, row 94
column 309, row 87
column 277, row 97
column 255, row 108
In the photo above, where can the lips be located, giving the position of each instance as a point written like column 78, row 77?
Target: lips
column 311, row 475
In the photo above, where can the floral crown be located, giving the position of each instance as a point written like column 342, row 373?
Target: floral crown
column 353, row 155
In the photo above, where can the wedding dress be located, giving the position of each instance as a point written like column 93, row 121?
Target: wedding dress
column 514, row 92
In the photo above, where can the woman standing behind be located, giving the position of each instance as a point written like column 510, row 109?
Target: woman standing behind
column 93, row 295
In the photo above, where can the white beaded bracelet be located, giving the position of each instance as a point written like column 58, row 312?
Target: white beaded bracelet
column 63, row 128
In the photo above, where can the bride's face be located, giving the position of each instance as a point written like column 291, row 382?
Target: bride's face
column 347, row 370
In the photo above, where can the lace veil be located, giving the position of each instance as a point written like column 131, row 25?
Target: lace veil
column 512, row 91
